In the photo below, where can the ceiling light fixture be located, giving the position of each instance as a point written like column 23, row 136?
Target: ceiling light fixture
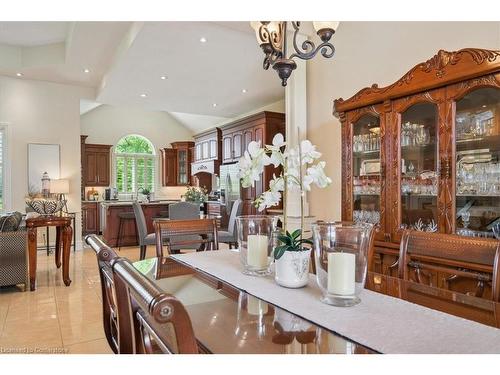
column 272, row 40
column 19, row 74
column 144, row 95
column 244, row 91
column 86, row 70
column 163, row 77
column 203, row 39
column 214, row 105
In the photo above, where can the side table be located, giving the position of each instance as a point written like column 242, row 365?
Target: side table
column 64, row 233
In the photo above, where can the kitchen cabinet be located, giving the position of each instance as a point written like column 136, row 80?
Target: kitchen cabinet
column 176, row 163
column 96, row 165
column 424, row 152
column 236, row 137
column 90, row 218
column 208, row 145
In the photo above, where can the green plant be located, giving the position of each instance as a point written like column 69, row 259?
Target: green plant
column 291, row 242
column 196, row 194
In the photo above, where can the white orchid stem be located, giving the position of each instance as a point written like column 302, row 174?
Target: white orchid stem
column 301, row 187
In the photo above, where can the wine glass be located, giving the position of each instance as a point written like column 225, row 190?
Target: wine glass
column 466, row 219
column 496, row 230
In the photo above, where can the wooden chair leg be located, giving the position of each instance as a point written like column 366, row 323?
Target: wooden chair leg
column 143, row 252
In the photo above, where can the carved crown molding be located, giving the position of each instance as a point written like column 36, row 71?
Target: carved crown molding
column 443, row 68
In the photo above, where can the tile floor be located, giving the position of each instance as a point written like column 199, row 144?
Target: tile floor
column 56, row 318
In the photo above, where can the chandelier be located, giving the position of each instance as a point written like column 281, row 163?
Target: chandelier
column 271, row 36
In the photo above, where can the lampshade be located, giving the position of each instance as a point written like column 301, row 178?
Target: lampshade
column 318, row 25
column 59, row 186
column 272, row 26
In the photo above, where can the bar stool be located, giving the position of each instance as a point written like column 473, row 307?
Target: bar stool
column 122, row 219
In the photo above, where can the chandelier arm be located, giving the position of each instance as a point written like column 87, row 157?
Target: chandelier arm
column 270, row 59
column 309, row 50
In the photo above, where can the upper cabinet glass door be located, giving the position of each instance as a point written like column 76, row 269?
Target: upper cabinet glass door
column 366, row 169
column 477, row 150
column 419, row 178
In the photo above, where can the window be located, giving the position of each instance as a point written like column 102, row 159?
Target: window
column 3, row 149
column 134, row 164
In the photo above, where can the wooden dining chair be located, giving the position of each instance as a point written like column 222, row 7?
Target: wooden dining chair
column 150, row 321
column 105, row 255
column 199, row 234
column 467, row 265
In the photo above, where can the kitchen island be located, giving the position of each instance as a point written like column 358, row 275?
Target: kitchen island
column 111, row 211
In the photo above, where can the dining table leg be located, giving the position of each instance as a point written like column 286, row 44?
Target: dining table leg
column 58, row 247
column 66, row 240
column 32, row 257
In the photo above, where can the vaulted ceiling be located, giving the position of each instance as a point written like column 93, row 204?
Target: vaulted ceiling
column 212, row 70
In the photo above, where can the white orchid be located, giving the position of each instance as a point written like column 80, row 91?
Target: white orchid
column 268, row 199
column 277, row 184
column 308, row 152
column 276, row 157
column 316, row 174
column 252, row 164
column 292, row 159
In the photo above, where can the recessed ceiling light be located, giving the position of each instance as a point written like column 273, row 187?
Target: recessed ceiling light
column 203, row 39
column 214, row 105
column 484, row 105
column 144, row 95
column 86, row 70
column 244, row 91
column 19, row 74
column 163, row 77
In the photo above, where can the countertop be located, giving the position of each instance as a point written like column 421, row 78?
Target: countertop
column 129, row 203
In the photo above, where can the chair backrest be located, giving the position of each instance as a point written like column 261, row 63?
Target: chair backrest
column 235, row 212
column 159, row 322
column 469, row 264
column 105, row 255
column 201, row 234
column 140, row 221
column 183, row 211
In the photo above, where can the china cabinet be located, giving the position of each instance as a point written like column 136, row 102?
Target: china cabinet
column 424, row 152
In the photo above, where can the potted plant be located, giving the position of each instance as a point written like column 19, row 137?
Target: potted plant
column 300, row 169
column 196, row 194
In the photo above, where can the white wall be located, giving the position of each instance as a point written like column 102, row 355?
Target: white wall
column 42, row 112
column 108, row 124
column 367, row 53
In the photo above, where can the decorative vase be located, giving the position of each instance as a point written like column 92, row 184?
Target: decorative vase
column 341, row 257
column 292, row 269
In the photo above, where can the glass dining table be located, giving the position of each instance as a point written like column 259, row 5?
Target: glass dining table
column 227, row 320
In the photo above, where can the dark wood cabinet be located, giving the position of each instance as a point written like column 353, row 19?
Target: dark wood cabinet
column 96, row 165
column 423, row 153
column 169, row 167
column 176, row 163
column 236, row 137
column 208, row 145
column 90, row 218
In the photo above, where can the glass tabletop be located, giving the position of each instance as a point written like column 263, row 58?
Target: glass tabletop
column 228, row 320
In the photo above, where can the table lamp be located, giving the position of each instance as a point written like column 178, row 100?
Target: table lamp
column 60, row 187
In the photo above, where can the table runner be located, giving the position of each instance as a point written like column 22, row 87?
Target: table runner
column 383, row 323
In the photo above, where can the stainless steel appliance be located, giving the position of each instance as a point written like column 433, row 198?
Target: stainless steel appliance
column 110, row 194
column 229, row 185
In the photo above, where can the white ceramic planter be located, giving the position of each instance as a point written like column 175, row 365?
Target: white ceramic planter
column 292, row 269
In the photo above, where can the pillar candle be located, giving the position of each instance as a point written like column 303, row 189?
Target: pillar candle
column 341, row 273
column 256, row 306
column 257, row 250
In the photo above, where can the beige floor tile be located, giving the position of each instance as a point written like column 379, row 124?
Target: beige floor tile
column 90, row 347
column 39, row 334
column 81, row 330
column 31, row 312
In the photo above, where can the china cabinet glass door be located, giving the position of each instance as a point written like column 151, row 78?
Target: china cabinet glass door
column 182, row 161
column 366, row 169
column 477, row 174
column 418, row 142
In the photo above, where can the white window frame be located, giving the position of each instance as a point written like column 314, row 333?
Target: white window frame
column 135, row 157
column 6, row 180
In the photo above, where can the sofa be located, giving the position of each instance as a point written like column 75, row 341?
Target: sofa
column 13, row 250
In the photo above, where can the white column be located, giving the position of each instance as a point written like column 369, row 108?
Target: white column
column 296, row 128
